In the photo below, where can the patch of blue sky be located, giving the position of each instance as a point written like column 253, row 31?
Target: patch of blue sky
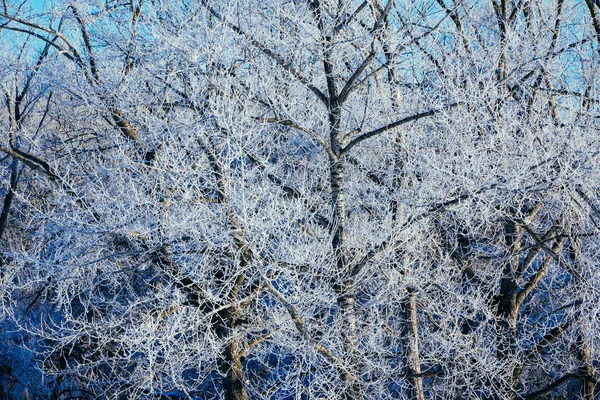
column 39, row 5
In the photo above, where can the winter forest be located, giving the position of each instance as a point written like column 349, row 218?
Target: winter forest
column 300, row 199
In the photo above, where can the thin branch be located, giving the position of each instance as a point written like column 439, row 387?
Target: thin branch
column 349, row 19
column 348, row 86
column 554, row 385
column 297, row 320
column 455, row 16
column 38, row 164
column 88, row 44
column 382, row 16
column 370, row 57
column 355, row 270
column 61, row 50
column 369, row 174
column 538, row 276
column 590, row 203
column 93, row 77
column 9, row 196
column 75, row 54
column 269, row 53
column 389, row 63
column 515, row 11
column 550, row 337
column 535, row 251
column 256, row 342
column 32, row 162
column 364, row 136
column 313, row 134
column 595, row 21
column 540, row 241
column 291, row 192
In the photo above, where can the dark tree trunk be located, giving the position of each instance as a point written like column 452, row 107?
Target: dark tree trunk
column 410, row 337
column 234, row 387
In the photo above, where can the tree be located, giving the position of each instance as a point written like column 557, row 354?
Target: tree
column 333, row 199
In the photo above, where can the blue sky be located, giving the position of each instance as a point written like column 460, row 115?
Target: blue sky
column 38, row 3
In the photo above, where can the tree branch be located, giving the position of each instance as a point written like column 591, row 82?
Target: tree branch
column 75, row 54
column 549, row 338
column 348, row 86
column 88, row 44
column 535, row 251
column 292, row 124
column 554, row 385
column 347, row 20
column 269, row 53
column 389, row 63
column 364, row 136
column 356, row 268
column 539, row 275
column 297, row 320
column 9, row 196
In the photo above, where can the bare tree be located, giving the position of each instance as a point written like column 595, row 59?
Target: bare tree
column 311, row 198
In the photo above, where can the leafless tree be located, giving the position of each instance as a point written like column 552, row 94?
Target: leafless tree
column 304, row 198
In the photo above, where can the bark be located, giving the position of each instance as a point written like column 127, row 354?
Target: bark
column 227, row 321
column 507, row 297
column 411, row 346
column 595, row 20
column 234, row 386
column 345, row 289
column 586, row 369
column 507, row 310
column 9, row 197
column 230, row 364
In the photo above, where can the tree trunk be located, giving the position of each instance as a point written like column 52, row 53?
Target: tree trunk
column 410, row 336
column 234, row 387
column 506, row 330
column 586, row 369
column 345, row 289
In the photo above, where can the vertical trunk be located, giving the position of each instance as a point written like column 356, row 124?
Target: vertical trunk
column 230, row 365
column 410, row 338
column 410, row 331
column 344, row 282
column 234, row 387
column 583, row 353
column 595, row 19
column 227, row 321
column 501, row 16
column 224, row 324
column 586, row 369
column 9, row 196
column 507, row 301
column 344, row 287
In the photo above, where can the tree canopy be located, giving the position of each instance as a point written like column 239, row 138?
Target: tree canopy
column 337, row 199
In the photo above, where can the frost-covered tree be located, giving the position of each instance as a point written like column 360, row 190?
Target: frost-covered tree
column 302, row 199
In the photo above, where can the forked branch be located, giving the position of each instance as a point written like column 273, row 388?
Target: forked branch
column 266, row 51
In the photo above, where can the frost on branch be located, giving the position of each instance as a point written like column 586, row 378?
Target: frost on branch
column 341, row 199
